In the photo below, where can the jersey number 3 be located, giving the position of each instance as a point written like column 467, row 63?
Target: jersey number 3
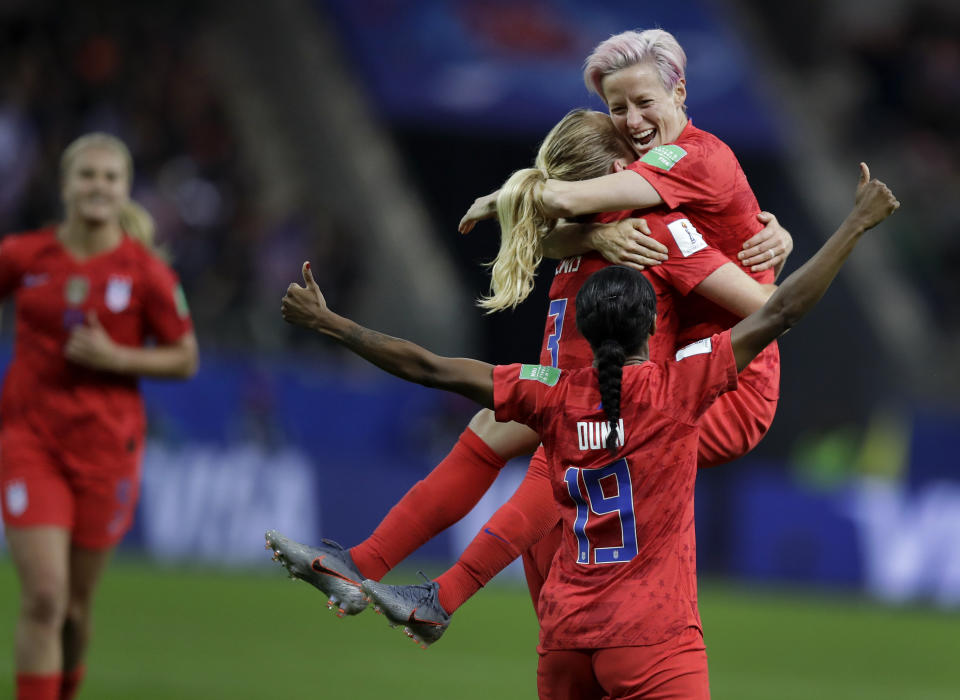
column 594, row 501
column 558, row 307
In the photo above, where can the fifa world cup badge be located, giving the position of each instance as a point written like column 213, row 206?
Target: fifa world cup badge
column 76, row 289
column 118, row 293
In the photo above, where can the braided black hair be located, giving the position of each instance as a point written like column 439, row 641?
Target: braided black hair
column 616, row 309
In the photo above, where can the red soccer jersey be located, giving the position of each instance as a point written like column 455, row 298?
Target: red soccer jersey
column 700, row 174
column 625, row 573
column 135, row 297
column 690, row 261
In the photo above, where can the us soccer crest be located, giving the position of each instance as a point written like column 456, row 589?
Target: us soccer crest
column 16, row 496
column 76, row 289
column 118, row 293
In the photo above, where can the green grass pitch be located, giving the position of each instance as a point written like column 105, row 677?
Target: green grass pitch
column 187, row 633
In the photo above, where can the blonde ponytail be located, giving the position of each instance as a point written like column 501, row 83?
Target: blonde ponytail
column 523, row 227
column 584, row 144
column 137, row 223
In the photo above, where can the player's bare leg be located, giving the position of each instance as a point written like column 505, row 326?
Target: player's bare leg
column 416, row 607
column 86, row 566
column 40, row 556
column 328, row 567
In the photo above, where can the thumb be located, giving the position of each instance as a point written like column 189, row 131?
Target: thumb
column 308, row 275
column 92, row 319
column 641, row 225
column 765, row 217
column 864, row 174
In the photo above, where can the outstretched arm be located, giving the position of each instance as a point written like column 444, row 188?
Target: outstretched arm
column 801, row 291
column 564, row 200
column 305, row 306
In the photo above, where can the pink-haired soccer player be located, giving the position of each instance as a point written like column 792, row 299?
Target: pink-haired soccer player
column 641, row 76
column 618, row 611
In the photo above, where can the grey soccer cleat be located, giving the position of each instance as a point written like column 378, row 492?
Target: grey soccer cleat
column 416, row 607
column 328, row 567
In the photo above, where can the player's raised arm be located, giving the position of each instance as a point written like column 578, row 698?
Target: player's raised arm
column 305, row 306
column 801, row 291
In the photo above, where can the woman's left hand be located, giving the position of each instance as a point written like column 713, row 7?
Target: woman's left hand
column 769, row 248
column 90, row 346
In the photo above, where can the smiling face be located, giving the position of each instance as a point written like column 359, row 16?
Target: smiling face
column 96, row 184
column 646, row 113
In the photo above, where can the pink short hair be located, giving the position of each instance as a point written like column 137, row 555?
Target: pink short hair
column 630, row 48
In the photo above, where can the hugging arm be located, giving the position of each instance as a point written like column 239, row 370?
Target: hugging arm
column 627, row 242
column 305, row 306
column 801, row 291
column 733, row 289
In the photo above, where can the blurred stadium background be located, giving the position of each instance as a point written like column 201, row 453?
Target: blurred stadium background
column 355, row 133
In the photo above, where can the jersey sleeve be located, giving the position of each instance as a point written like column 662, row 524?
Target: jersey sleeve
column 11, row 265
column 167, row 314
column 695, row 170
column 690, row 260
column 520, row 392
column 697, row 376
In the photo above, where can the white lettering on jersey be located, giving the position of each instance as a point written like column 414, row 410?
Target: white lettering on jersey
column 592, row 434
column 688, row 239
column 568, row 265
column 701, row 347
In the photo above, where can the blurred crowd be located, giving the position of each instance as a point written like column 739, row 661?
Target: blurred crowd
column 887, row 74
column 139, row 70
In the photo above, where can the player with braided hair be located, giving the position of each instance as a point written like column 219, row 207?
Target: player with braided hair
column 583, row 143
column 594, row 321
column 618, row 612
column 640, row 75
column 609, row 359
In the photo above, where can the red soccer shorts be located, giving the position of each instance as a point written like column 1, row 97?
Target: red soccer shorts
column 734, row 424
column 38, row 486
column 673, row 670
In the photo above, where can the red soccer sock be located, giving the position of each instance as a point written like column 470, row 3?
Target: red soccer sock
column 448, row 493
column 36, row 686
column 71, row 682
column 515, row 527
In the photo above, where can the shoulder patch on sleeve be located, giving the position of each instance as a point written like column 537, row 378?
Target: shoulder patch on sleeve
column 688, row 239
column 180, row 299
column 701, row 347
column 540, row 373
column 664, row 157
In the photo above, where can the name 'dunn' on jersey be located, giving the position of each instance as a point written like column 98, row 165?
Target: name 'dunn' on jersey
column 592, row 434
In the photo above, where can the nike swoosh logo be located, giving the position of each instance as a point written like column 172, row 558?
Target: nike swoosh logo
column 490, row 532
column 318, row 566
column 414, row 620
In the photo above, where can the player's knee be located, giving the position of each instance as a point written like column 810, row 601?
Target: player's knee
column 45, row 604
